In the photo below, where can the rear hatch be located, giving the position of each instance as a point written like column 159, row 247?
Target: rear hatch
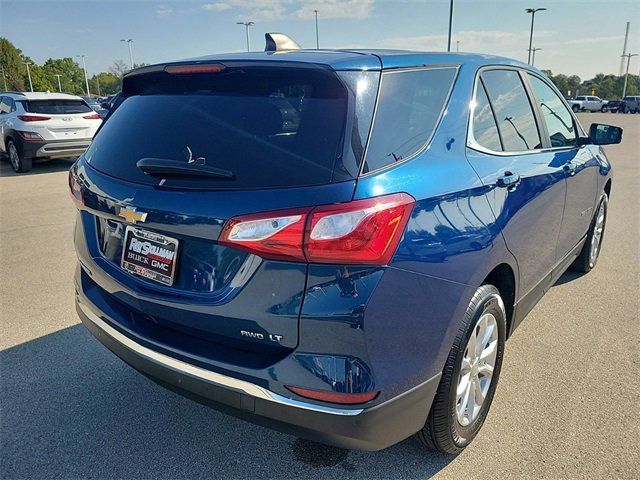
column 62, row 119
column 185, row 151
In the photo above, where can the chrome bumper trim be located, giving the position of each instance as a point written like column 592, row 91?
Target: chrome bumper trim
column 207, row 375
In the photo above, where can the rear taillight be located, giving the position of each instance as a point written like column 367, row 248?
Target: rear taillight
column 75, row 189
column 33, row 118
column 359, row 232
column 93, row 116
column 334, row 397
column 272, row 235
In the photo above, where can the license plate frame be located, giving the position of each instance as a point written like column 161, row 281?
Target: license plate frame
column 153, row 256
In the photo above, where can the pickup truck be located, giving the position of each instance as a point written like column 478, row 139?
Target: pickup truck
column 588, row 104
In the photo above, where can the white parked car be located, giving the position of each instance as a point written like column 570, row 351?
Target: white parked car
column 43, row 125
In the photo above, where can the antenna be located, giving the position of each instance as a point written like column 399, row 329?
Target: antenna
column 279, row 42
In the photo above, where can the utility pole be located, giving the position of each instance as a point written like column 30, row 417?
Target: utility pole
column 533, row 55
column 532, row 11
column 317, row 36
column 86, row 78
column 624, row 50
column 129, row 41
column 626, row 75
column 450, row 25
column 246, row 27
column 4, row 78
column 59, row 85
column 29, row 74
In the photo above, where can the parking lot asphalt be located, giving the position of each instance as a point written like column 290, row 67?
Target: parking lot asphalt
column 567, row 406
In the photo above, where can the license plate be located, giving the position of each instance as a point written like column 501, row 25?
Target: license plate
column 149, row 255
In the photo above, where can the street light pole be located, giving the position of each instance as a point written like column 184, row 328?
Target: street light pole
column 59, row 85
column 626, row 75
column 246, row 27
column 533, row 55
column 129, row 42
column 29, row 74
column 86, row 78
column 317, row 37
column 450, row 24
column 532, row 11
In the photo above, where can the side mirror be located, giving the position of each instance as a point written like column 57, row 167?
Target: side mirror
column 600, row 134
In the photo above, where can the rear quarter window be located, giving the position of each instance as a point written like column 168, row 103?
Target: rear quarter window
column 410, row 105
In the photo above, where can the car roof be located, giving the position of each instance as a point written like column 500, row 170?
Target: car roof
column 358, row 59
column 40, row 96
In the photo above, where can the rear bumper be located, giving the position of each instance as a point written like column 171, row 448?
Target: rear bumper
column 55, row 148
column 371, row 428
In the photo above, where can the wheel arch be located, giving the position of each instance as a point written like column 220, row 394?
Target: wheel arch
column 607, row 188
column 503, row 278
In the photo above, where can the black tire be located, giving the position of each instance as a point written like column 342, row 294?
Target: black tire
column 575, row 108
column 19, row 163
column 603, row 110
column 614, row 111
column 623, row 109
column 443, row 431
column 584, row 262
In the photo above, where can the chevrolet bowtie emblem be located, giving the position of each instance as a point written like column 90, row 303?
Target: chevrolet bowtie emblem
column 131, row 216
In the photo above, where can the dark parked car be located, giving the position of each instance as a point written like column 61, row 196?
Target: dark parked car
column 336, row 244
column 630, row 104
column 612, row 106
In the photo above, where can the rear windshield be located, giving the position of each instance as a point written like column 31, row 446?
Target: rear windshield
column 269, row 127
column 57, row 107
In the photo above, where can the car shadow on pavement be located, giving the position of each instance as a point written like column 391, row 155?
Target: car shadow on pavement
column 72, row 409
column 49, row 166
column 568, row 276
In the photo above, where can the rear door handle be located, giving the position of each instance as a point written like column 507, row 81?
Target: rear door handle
column 508, row 180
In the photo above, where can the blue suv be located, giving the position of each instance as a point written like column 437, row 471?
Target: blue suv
column 335, row 244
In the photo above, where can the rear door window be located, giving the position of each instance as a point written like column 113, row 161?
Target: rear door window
column 557, row 118
column 516, row 122
column 410, row 105
column 485, row 131
column 57, row 107
column 270, row 127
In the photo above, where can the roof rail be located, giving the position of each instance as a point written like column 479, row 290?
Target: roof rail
column 279, row 42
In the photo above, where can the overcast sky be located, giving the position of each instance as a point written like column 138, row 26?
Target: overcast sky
column 576, row 37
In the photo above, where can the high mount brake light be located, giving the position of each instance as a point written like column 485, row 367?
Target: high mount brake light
column 33, row 118
column 359, row 232
column 92, row 116
column 194, row 68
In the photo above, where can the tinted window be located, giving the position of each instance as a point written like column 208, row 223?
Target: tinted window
column 409, row 108
column 57, row 107
column 557, row 118
column 4, row 105
column 515, row 118
column 485, row 131
column 271, row 127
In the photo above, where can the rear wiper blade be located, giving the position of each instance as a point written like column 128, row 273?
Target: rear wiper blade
column 165, row 167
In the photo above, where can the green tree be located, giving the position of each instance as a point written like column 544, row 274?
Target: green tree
column 107, row 82
column 11, row 60
column 71, row 74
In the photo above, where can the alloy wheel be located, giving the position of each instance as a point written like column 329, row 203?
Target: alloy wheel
column 476, row 371
column 14, row 157
column 596, row 238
